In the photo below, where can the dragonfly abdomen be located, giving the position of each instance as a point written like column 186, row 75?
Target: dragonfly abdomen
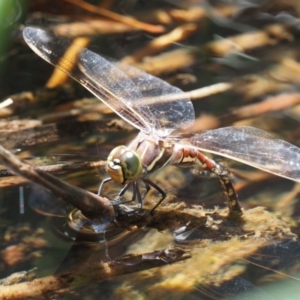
column 186, row 156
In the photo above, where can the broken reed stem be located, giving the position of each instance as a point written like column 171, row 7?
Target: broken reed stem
column 90, row 204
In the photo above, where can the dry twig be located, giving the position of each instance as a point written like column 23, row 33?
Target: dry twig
column 161, row 42
column 116, row 17
column 59, row 77
column 182, row 58
column 90, row 28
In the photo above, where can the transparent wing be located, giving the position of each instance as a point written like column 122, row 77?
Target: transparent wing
column 147, row 102
column 254, row 147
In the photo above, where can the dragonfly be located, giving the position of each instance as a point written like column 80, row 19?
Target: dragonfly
column 160, row 111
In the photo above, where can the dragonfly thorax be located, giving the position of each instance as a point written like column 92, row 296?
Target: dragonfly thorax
column 124, row 165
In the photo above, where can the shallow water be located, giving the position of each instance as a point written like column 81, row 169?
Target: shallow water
column 224, row 258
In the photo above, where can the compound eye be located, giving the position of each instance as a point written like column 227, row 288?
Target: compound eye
column 116, row 153
column 131, row 165
column 123, row 165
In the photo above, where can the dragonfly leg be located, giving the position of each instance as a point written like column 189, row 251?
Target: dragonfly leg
column 102, row 183
column 116, row 201
column 147, row 185
column 121, row 193
column 138, row 194
column 124, row 189
column 161, row 191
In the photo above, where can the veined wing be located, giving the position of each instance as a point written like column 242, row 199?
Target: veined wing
column 253, row 147
column 137, row 97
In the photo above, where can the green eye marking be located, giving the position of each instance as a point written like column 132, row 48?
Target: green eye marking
column 123, row 165
column 132, row 163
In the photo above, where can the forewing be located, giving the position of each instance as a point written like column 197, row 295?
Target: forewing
column 169, row 105
column 129, row 95
column 254, row 147
column 94, row 72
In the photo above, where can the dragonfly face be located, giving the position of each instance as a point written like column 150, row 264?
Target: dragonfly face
column 156, row 109
column 124, row 165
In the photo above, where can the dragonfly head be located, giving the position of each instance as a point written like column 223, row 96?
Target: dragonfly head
column 124, row 165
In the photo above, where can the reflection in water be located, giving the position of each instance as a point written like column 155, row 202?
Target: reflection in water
column 227, row 258
column 247, row 277
column 69, row 222
column 21, row 199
